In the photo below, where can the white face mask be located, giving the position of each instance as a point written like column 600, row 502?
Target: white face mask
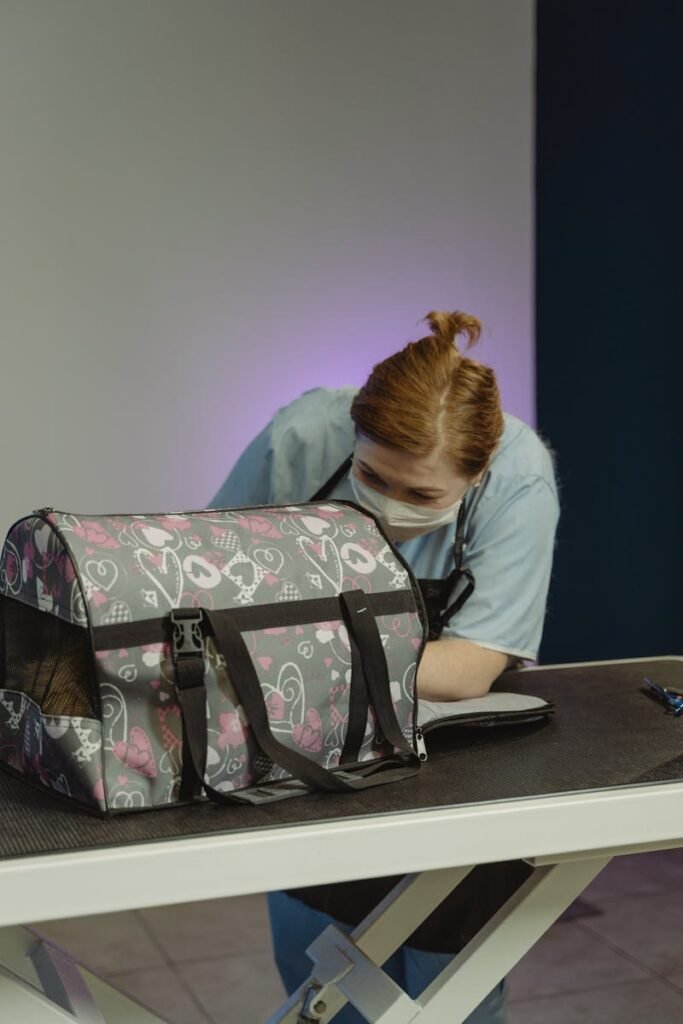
column 400, row 519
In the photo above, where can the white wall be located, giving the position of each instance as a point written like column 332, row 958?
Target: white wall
column 208, row 206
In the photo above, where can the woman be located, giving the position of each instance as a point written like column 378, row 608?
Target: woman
column 467, row 493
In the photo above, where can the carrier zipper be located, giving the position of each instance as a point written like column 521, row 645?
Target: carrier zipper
column 204, row 511
column 420, row 744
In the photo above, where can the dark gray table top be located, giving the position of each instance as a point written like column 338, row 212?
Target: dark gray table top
column 605, row 733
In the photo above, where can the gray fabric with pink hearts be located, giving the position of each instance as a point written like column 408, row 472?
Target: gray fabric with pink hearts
column 94, row 571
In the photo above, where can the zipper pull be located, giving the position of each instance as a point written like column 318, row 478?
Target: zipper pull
column 420, row 745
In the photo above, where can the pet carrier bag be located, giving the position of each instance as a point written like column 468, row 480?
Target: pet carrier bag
column 238, row 654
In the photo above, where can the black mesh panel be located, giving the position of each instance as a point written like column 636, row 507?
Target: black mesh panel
column 47, row 659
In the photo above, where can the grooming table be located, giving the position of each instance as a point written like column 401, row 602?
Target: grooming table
column 603, row 777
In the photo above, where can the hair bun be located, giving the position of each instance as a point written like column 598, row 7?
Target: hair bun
column 447, row 326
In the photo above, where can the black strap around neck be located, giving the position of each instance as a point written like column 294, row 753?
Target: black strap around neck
column 459, row 542
column 329, row 485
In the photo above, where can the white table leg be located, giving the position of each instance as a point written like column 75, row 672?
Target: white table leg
column 504, row 940
column 39, row 982
column 378, row 936
column 347, row 967
column 340, row 963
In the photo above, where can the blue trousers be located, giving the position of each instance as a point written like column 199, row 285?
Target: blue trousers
column 294, row 926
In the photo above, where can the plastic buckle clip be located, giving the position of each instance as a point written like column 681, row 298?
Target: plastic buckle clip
column 187, row 633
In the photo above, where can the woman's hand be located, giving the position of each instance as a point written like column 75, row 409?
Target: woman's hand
column 453, row 669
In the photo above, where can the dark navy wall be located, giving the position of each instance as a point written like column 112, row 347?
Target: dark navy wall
column 610, row 320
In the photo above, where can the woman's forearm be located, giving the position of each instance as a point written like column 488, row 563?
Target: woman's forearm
column 454, row 669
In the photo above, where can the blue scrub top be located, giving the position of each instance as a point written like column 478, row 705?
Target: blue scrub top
column 509, row 526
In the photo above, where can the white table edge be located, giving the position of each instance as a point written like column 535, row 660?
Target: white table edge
column 185, row 869
column 230, row 864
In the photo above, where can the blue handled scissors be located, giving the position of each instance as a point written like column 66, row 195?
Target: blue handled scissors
column 672, row 700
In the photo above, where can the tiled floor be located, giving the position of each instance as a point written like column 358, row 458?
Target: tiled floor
column 210, row 963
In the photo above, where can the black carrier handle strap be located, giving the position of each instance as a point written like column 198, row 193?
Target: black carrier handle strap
column 230, row 643
column 192, row 698
column 364, row 634
column 188, row 655
column 329, row 485
column 358, row 705
column 188, row 658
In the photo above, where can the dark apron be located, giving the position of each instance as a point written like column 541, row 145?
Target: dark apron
column 487, row 887
column 436, row 594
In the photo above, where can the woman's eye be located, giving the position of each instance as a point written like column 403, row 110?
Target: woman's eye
column 371, row 476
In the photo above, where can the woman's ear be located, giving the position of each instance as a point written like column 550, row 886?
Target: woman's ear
column 480, row 476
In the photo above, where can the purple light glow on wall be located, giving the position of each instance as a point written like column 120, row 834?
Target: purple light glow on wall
column 338, row 343
column 239, row 206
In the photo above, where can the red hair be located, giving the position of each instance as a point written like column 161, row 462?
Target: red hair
column 429, row 397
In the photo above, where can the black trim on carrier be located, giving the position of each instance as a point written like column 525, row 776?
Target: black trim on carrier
column 266, row 616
